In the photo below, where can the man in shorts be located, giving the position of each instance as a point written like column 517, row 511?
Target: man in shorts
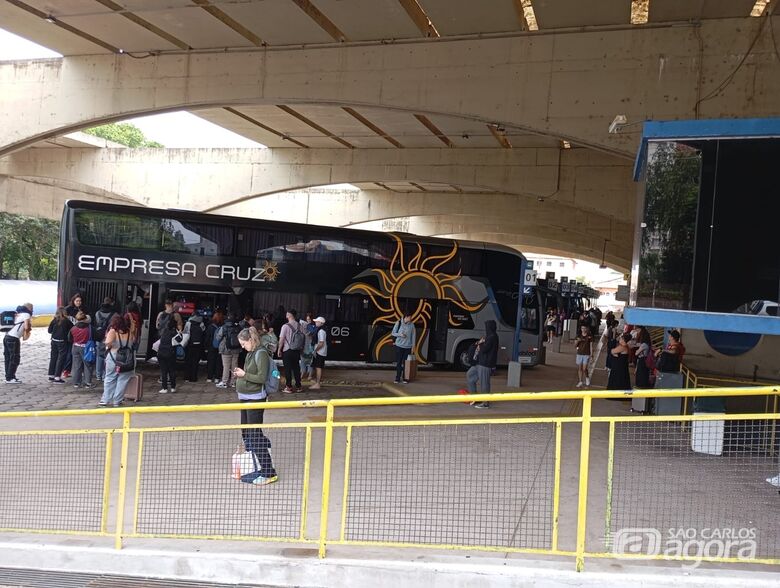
column 320, row 352
column 584, row 343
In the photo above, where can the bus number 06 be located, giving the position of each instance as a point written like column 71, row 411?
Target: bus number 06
column 339, row 331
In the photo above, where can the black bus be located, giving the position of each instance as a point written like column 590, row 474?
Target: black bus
column 360, row 281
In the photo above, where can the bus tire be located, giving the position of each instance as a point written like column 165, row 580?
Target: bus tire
column 461, row 361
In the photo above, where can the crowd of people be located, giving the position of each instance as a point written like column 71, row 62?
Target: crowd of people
column 626, row 346
column 85, row 346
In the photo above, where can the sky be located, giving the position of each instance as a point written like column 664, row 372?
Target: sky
column 176, row 129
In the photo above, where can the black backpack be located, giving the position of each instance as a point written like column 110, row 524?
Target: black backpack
column 166, row 333
column 102, row 328
column 196, row 333
column 231, row 337
column 124, row 358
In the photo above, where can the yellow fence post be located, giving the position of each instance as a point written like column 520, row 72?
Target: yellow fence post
column 610, row 473
column 305, row 497
column 556, row 486
column 120, row 502
column 106, row 482
column 582, row 504
column 326, row 480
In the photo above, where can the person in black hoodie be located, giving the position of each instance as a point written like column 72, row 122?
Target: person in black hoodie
column 486, row 352
column 59, row 328
column 102, row 321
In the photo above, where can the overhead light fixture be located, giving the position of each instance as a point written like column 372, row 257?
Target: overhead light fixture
column 50, row 19
column 565, row 144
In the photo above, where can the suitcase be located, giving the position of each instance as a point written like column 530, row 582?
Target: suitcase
column 410, row 369
column 135, row 388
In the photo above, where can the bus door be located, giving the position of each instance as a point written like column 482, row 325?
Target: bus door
column 145, row 296
column 437, row 337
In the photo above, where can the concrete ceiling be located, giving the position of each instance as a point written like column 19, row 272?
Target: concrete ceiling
column 76, row 27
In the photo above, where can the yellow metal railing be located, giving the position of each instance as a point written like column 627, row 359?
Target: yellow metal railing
column 340, row 424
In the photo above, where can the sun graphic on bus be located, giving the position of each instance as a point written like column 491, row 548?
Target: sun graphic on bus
column 415, row 278
column 270, row 271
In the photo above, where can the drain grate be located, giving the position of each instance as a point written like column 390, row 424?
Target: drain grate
column 20, row 578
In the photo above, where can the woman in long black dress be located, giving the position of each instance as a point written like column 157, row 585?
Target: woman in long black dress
column 643, row 349
column 619, row 378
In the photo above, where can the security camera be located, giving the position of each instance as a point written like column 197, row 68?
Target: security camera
column 617, row 123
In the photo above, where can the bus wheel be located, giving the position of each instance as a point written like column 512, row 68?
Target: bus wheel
column 462, row 362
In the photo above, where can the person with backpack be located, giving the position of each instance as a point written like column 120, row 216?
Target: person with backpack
column 59, row 328
column 404, row 336
column 12, row 342
column 485, row 359
column 166, row 353
column 79, row 336
column 229, row 348
column 291, row 342
column 307, row 354
column 320, row 352
column 120, row 361
column 252, row 385
column 214, row 364
column 102, row 320
column 196, row 332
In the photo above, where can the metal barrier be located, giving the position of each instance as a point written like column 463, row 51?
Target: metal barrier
column 458, row 482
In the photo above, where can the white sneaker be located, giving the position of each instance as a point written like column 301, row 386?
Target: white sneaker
column 163, row 391
column 579, row 384
column 587, row 381
column 221, row 385
column 173, row 390
column 774, row 481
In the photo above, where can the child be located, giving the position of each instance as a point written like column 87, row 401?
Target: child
column 584, row 350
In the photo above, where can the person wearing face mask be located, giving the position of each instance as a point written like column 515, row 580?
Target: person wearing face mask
column 404, row 336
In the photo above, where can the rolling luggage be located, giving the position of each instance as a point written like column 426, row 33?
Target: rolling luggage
column 410, row 369
column 135, row 388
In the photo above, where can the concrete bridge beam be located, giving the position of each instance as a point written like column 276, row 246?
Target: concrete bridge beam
column 567, row 84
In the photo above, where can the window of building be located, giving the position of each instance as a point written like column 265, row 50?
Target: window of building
column 549, row 264
column 561, row 264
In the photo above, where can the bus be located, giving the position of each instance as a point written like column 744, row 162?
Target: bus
column 361, row 281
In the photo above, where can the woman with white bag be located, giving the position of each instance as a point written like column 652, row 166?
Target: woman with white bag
column 250, row 385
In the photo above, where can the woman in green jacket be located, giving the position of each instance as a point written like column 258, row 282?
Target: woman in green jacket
column 250, row 385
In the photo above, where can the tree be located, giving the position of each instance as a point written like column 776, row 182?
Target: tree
column 124, row 133
column 28, row 247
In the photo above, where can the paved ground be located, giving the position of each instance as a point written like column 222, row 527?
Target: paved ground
column 37, row 393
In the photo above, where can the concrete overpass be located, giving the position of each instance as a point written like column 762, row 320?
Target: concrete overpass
column 479, row 105
column 537, row 192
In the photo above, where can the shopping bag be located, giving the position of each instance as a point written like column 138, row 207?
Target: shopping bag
column 243, row 462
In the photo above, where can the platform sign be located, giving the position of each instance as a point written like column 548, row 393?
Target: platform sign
column 529, row 277
column 565, row 286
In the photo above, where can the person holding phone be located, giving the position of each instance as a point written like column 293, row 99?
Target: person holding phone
column 404, row 337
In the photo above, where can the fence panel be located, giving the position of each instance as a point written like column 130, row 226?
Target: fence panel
column 694, row 490
column 466, row 485
column 187, row 485
column 55, row 482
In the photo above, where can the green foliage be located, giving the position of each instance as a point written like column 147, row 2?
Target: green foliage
column 124, row 133
column 28, row 247
column 671, row 200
